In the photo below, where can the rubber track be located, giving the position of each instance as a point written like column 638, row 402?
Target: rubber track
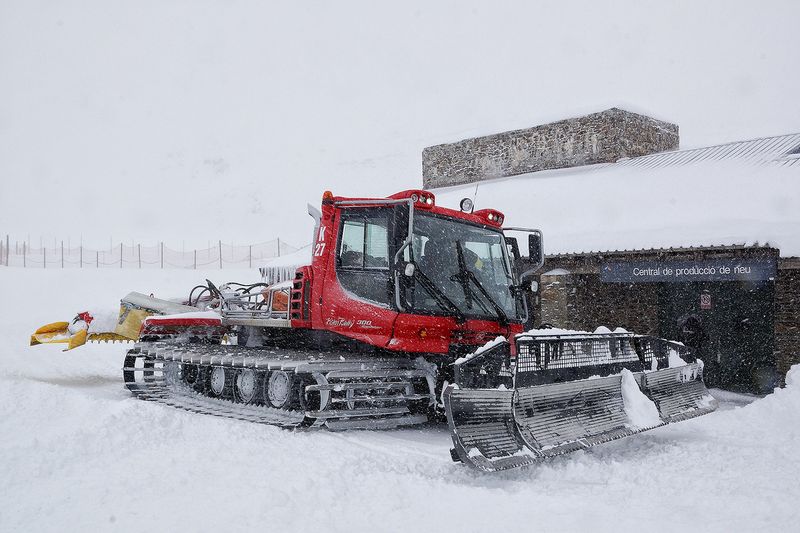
column 152, row 384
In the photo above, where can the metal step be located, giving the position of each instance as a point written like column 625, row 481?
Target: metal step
column 344, row 386
column 376, row 423
column 357, row 413
column 374, row 399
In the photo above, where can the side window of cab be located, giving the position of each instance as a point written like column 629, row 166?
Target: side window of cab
column 362, row 263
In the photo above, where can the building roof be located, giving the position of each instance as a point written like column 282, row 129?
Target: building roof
column 743, row 193
column 734, row 249
column 781, row 149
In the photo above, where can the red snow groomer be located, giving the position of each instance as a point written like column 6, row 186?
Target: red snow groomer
column 408, row 310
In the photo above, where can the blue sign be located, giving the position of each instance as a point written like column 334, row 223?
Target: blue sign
column 685, row 271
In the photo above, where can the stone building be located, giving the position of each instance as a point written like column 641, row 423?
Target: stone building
column 696, row 245
column 603, row 137
column 738, row 307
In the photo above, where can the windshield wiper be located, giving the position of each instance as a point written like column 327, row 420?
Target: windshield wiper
column 467, row 275
column 441, row 298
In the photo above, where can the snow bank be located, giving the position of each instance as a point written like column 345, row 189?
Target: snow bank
column 554, row 331
column 198, row 314
column 611, row 207
column 642, row 412
column 783, row 400
column 549, row 332
column 77, row 450
column 105, row 320
column 674, row 359
column 486, row 347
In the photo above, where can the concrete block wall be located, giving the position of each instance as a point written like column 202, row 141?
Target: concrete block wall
column 603, row 137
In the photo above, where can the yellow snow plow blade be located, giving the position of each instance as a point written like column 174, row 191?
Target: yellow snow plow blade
column 51, row 333
column 129, row 323
column 58, row 333
column 79, row 339
column 133, row 309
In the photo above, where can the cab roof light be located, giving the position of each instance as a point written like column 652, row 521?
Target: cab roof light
column 490, row 215
column 426, row 199
column 419, row 197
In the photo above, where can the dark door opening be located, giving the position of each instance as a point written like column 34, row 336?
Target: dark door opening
column 729, row 324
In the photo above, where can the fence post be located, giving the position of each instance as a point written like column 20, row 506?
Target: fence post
column 44, row 257
column 2, row 257
column 279, row 246
column 120, row 254
column 24, row 254
column 62, row 254
column 195, row 259
column 220, row 255
column 162, row 254
column 81, row 254
column 139, row 246
column 251, row 256
column 7, row 249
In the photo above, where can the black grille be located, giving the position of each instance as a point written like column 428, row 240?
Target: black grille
column 549, row 358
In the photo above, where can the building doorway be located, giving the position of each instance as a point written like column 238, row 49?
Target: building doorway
column 729, row 324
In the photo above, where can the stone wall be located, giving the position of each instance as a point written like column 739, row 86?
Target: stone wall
column 787, row 318
column 583, row 302
column 603, row 137
column 571, row 295
column 553, row 301
column 614, row 305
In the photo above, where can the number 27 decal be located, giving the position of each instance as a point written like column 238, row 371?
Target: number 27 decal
column 319, row 248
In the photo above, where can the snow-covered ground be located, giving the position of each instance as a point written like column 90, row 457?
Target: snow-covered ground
column 78, row 453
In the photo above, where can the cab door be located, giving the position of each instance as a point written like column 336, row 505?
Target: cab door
column 358, row 291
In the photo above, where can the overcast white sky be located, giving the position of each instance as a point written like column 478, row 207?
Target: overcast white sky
column 199, row 120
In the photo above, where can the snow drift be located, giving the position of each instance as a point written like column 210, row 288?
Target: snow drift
column 78, row 452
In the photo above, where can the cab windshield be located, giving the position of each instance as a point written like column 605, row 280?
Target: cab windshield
column 460, row 268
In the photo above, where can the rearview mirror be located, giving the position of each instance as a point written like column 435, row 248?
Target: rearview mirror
column 513, row 247
column 535, row 252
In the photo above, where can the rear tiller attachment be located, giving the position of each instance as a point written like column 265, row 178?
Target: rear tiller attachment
column 563, row 393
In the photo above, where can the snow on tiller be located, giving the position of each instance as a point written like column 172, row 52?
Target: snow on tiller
column 564, row 393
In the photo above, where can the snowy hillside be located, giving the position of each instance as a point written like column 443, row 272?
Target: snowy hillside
column 153, row 121
column 78, row 453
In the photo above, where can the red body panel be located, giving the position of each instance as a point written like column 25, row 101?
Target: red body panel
column 178, row 321
column 334, row 309
column 177, row 325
